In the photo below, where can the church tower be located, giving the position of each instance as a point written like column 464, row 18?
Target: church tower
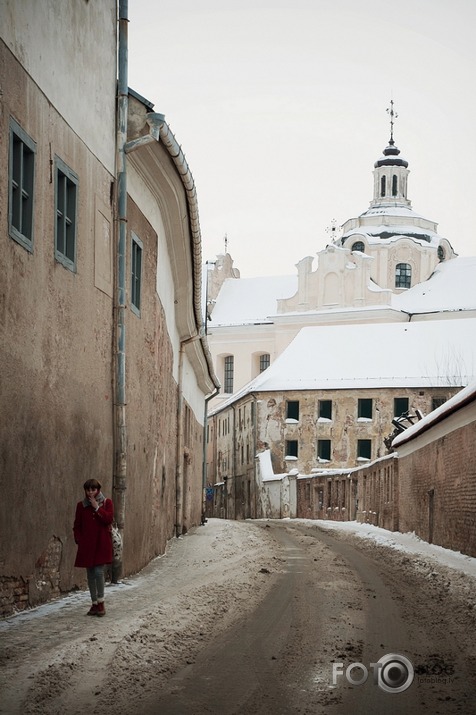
column 405, row 246
column 390, row 174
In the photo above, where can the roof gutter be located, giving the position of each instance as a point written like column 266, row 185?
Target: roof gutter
column 178, row 157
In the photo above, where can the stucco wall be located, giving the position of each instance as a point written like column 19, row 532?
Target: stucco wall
column 343, row 430
column 151, row 412
column 48, row 36
column 57, row 351
column 55, row 346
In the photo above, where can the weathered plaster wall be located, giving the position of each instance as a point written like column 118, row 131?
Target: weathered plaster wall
column 48, row 37
column 55, row 347
column 343, row 430
column 151, row 413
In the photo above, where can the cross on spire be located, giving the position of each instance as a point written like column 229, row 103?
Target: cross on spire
column 333, row 229
column 393, row 116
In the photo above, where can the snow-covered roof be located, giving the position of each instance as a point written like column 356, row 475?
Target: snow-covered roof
column 251, row 300
column 462, row 398
column 386, row 221
column 392, row 210
column 451, row 287
column 245, row 301
column 436, row 353
column 385, row 232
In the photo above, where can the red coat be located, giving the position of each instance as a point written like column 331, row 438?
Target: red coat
column 93, row 535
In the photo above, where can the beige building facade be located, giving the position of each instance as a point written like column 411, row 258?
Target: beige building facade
column 61, row 339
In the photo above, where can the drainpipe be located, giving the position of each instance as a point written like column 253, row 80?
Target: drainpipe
column 120, row 465
column 204, row 457
column 255, row 448
column 207, row 400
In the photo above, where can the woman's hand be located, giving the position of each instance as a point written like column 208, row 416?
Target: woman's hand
column 93, row 502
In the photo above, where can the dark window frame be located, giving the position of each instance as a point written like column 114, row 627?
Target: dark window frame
column 403, row 275
column 397, row 411
column 292, row 448
column 264, row 361
column 21, row 186
column 228, row 374
column 292, row 409
column 325, row 406
column 137, row 252
column 437, row 402
column 364, row 449
column 324, row 449
column 394, row 185
column 363, row 407
column 66, row 212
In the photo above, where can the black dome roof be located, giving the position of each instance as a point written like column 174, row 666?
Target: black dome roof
column 390, row 157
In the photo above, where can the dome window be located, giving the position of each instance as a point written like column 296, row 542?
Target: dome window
column 358, row 246
column 441, row 253
column 403, row 275
column 383, row 185
column 394, row 185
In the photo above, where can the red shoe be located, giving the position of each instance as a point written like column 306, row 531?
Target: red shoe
column 101, row 611
column 93, row 611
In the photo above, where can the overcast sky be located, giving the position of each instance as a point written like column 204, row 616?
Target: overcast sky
column 280, row 108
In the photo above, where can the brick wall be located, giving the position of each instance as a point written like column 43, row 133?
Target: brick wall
column 437, row 492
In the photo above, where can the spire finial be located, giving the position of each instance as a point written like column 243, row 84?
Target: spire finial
column 333, row 230
column 226, row 243
column 393, row 116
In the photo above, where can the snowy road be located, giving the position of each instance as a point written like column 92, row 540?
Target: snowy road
column 248, row 618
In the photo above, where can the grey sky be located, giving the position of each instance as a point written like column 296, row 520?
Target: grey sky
column 280, row 110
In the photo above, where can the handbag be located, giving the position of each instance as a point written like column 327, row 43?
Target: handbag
column 116, row 543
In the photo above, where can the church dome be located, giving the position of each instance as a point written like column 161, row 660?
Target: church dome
column 390, row 157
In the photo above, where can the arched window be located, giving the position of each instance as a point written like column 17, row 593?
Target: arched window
column 383, row 186
column 403, row 275
column 228, row 374
column 359, row 246
column 394, row 185
column 264, row 361
column 441, row 253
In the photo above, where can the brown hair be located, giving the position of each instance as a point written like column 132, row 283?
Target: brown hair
column 91, row 484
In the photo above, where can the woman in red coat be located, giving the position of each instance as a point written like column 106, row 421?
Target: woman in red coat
column 92, row 533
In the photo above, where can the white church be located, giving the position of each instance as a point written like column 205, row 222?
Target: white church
column 387, row 264
column 316, row 365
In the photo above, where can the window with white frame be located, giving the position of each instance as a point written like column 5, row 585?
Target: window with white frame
column 21, row 179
